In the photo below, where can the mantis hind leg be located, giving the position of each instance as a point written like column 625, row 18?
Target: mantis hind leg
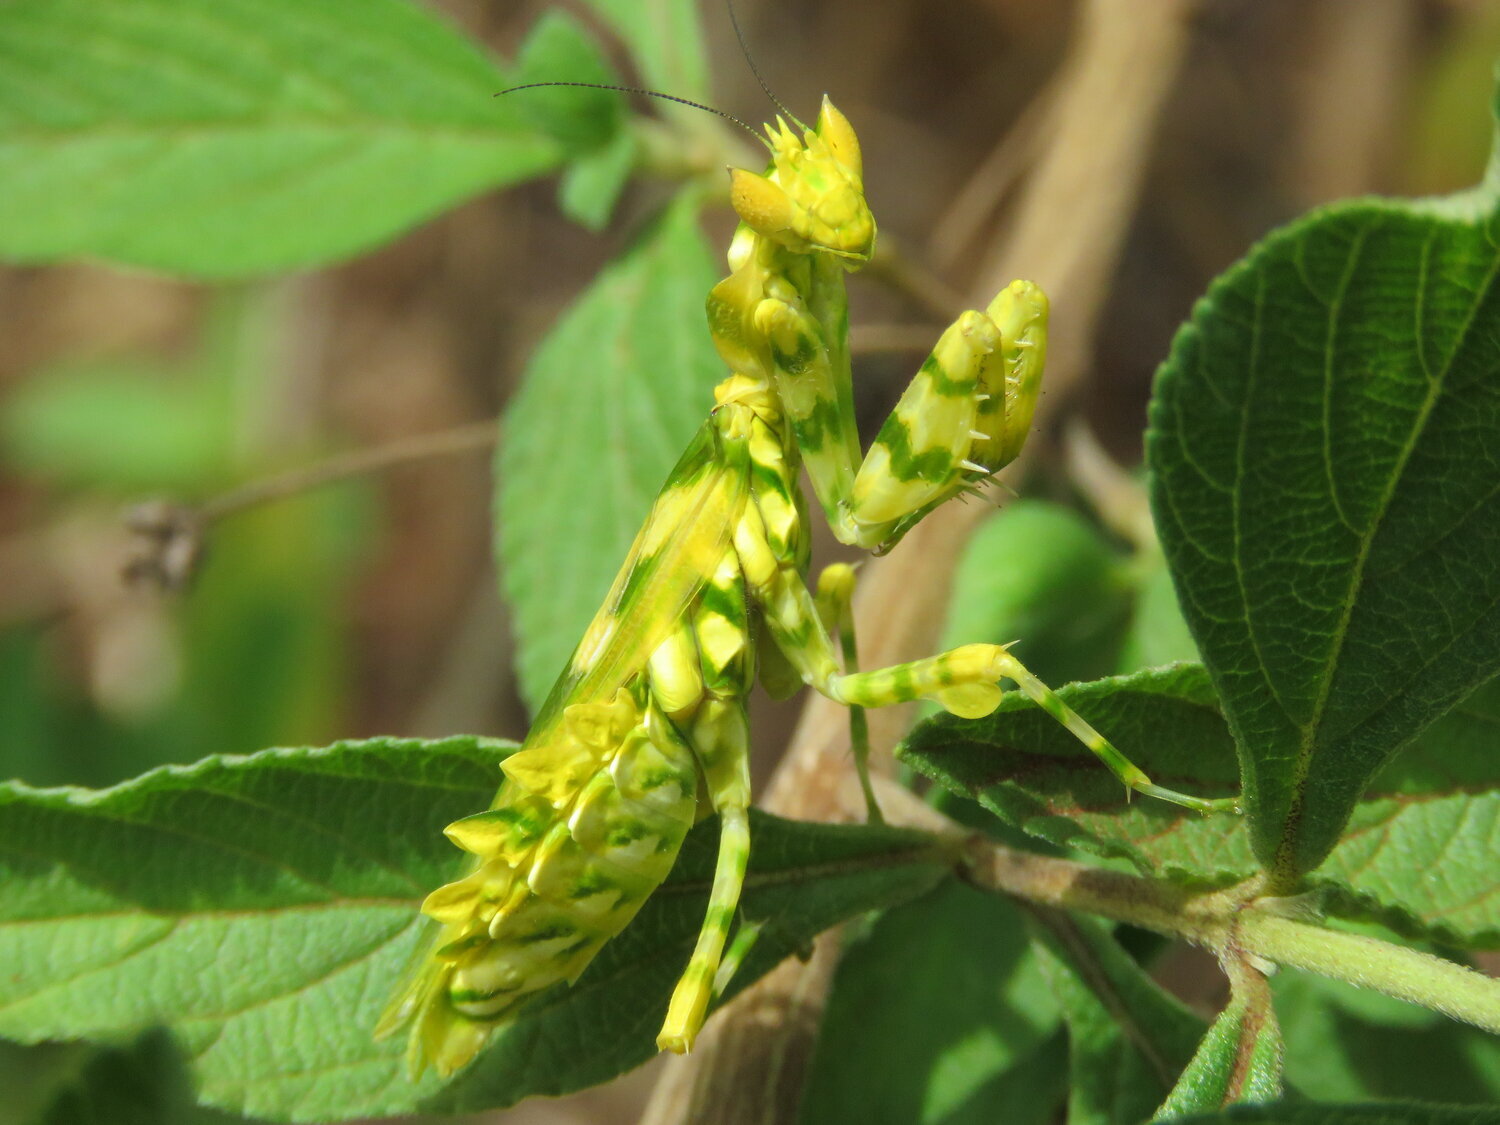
column 965, row 681
column 696, row 987
column 719, row 735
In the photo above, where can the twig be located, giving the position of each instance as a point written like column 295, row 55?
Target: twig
column 1117, row 497
column 376, row 459
column 961, row 225
column 170, row 535
column 1237, row 923
column 914, row 280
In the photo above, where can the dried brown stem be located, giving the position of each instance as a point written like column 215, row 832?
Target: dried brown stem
column 1117, row 496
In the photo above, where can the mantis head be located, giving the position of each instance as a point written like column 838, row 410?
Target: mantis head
column 813, row 198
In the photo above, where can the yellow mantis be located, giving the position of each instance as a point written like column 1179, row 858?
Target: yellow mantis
column 650, row 710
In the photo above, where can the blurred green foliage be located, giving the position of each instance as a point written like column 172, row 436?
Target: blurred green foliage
column 238, row 138
column 255, row 652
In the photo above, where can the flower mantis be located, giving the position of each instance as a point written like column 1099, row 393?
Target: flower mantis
column 650, row 710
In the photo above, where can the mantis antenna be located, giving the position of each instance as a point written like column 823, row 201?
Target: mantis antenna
column 649, row 93
column 755, row 70
column 739, row 35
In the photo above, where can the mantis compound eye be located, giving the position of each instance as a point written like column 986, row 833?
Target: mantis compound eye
column 835, row 221
column 764, row 206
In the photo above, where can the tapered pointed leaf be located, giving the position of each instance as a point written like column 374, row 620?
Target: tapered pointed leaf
column 1324, row 444
column 1239, row 1061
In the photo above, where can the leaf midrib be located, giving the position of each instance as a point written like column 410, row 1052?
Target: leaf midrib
column 1283, row 865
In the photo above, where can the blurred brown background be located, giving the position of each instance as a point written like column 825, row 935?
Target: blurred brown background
column 370, row 608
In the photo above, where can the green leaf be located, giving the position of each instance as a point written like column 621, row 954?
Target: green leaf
column 263, row 907
column 1128, row 1040
column 1419, row 850
column 592, row 184
column 666, row 38
column 1418, row 853
column 1157, row 634
column 611, row 397
column 1041, row 573
column 940, row 1014
column 1324, row 443
column 560, row 50
column 1239, row 1060
column 251, row 903
column 1459, row 751
column 221, row 138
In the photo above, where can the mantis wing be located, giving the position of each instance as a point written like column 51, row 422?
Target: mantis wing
column 674, row 554
column 676, row 551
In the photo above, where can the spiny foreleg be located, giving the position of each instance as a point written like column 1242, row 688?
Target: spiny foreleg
column 965, row 415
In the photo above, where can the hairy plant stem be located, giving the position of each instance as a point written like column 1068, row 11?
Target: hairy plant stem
column 1406, row 974
column 1240, row 925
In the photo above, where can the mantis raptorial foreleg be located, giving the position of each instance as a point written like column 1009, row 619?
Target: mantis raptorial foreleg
column 968, row 408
